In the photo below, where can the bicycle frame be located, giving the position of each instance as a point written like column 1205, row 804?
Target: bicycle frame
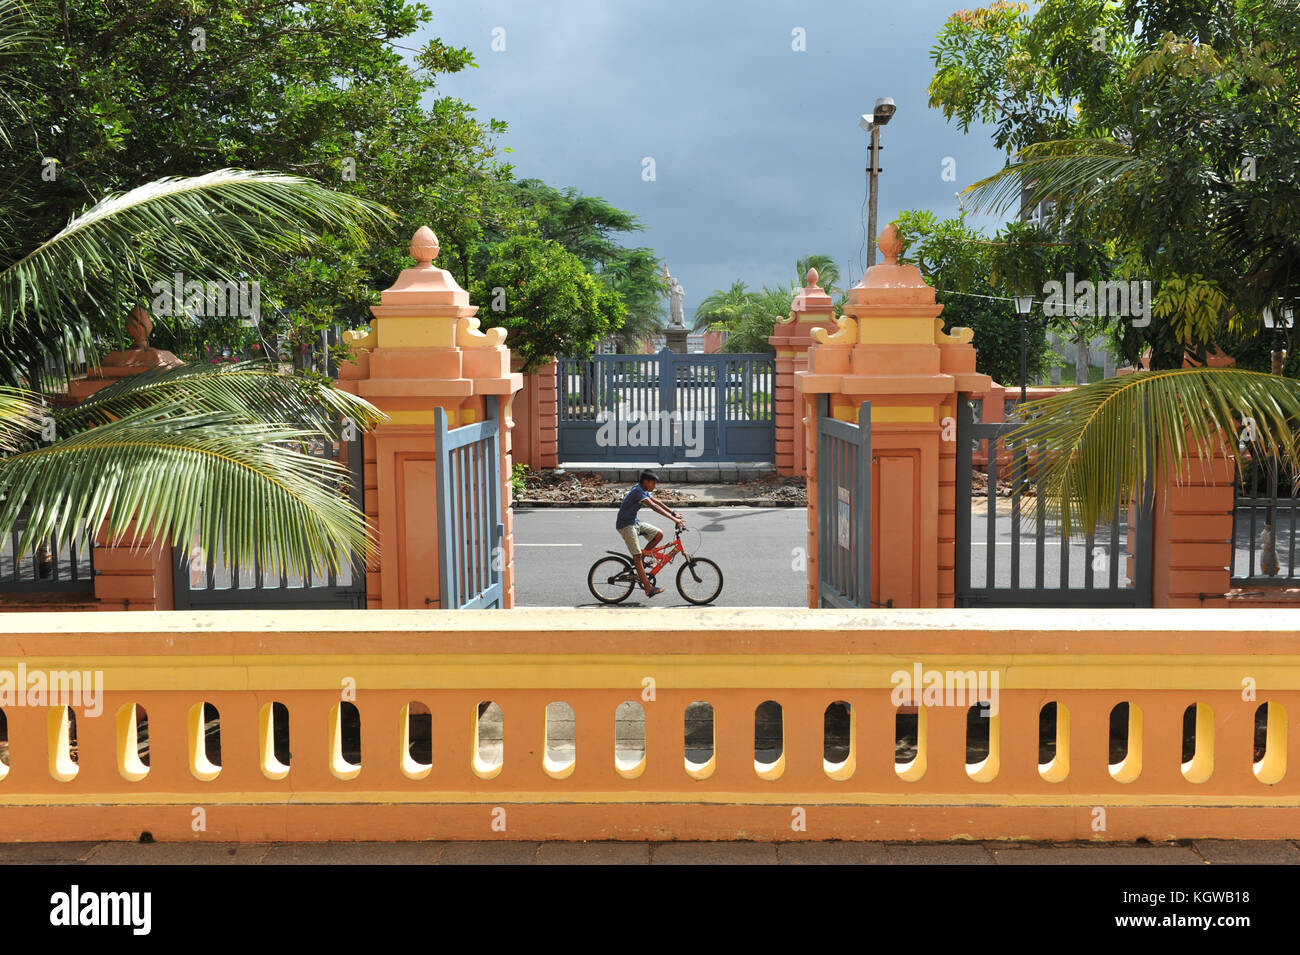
column 665, row 553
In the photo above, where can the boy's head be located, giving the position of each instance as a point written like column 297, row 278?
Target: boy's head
column 649, row 479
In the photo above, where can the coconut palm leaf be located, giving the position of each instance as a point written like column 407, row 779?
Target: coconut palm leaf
column 20, row 416
column 224, row 225
column 166, row 474
column 1098, row 444
column 1083, row 170
column 254, row 390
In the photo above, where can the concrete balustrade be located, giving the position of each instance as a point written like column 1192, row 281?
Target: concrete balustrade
column 603, row 735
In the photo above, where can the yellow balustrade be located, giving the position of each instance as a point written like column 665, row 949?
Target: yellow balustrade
column 540, row 724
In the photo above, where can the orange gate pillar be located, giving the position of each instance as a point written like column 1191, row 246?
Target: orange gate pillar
column 811, row 308
column 129, row 574
column 890, row 349
column 424, row 351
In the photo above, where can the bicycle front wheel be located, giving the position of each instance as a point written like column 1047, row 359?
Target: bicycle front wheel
column 699, row 581
column 611, row 580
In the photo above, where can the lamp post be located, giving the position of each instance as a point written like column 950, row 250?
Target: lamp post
column 871, row 122
column 1024, row 305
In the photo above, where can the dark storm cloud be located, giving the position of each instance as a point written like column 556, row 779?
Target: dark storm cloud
column 758, row 156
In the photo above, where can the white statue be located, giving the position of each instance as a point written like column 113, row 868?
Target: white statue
column 675, row 295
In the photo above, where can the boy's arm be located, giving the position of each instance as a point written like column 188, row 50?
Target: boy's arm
column 671, row 515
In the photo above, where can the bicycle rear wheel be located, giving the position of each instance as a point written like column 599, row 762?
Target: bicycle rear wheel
column 611, row 580
column 699, row 581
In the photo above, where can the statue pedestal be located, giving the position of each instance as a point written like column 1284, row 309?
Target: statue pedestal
column 675, row 339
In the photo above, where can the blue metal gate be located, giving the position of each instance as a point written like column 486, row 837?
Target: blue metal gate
column 843, row 508
column 470, row 527
column 666, row 408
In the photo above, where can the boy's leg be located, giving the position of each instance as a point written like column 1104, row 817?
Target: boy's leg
column 654, row 534
column 629, row 535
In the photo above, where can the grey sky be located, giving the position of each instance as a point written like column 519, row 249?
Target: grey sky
column 758, row 156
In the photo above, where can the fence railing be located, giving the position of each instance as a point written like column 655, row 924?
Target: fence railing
column 57, row 565
column 1266, row 501
column 712, row 724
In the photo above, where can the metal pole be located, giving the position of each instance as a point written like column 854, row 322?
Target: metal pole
column 1024, row 355
column 873, row 171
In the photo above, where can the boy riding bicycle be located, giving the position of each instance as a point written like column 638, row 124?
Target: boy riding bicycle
column 631, row 529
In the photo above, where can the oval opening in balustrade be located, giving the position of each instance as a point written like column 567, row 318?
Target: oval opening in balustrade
column 983, row 747
column 839, row 755
column 560, row 754
column 910, row 742
column 62, row 727
column 629, row 739
column 4, row 745
column 273, row 740
column 1054, row 742
column 132, row 742
column 1269, row 757
column 769, row 740
column 489, row 740
column 345, row 740
column 700, row 739
column 1198, row 743
column 204, row 738
column 417, row 740
column 1125, row 742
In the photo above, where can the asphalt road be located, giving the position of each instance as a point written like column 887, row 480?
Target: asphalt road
column 760, row 551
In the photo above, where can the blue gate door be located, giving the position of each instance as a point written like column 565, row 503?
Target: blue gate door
column 843, row 508
column 470, row 527
column 666, row 408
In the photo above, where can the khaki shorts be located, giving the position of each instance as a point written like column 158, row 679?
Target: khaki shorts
column 629, row 535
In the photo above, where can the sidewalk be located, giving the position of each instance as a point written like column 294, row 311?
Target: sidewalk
column 1197, row 852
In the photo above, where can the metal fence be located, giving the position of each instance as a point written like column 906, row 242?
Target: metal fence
column 1265, row 503
column 1009, row 553
column 213, row 582
column 62, row 565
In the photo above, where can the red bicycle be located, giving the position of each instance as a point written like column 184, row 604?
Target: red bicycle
column 612, row 579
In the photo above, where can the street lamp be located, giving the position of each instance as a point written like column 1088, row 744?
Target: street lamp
column 1024, row 305
column 871, row 122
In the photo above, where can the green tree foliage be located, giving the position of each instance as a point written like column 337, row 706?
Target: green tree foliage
column 120, row 95
column 551, row 304
column 960, row 263
column 1170, row 130
column 590, row 228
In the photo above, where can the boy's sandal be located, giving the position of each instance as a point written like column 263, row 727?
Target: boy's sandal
column 655, row 593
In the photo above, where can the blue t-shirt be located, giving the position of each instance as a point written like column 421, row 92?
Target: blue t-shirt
column 631, row 504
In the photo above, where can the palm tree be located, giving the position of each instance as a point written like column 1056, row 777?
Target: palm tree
column 1101, row 443
column 721, row 306
column 828, row 273
column 191, row 452
column 217, row 453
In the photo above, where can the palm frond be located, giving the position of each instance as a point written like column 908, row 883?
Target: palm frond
column 246, row 489
column 20, row 415
column 1098, row 446
column 1080, row 169
column 252, row 390
column 206, row 226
